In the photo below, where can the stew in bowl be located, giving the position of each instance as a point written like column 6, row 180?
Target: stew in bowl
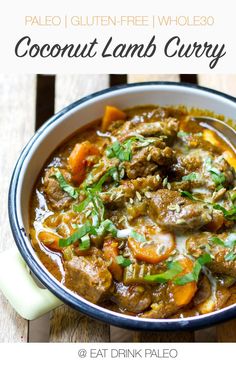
column 135, row 212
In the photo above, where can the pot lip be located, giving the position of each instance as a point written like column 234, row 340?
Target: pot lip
column 68, row 297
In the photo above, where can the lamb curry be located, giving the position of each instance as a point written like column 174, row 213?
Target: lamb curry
column 136, row 212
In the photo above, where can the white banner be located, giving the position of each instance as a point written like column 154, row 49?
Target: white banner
column 153, row 354
column 118, row 37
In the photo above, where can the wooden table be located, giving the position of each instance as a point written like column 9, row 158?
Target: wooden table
column 26, row 101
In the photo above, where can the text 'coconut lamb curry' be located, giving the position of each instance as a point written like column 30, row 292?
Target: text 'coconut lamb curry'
column 137, row 213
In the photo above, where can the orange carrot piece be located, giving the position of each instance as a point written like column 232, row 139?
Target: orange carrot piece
column 215, row 140
column 160, row 248
column 110, row 252
column 111, row 114
column 211, row 137
column 184, row 294
column 77, row 159
column 50, row 240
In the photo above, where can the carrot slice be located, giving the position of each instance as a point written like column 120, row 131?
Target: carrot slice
column 215, row 140
column 230, row 157
column 110, row 252
column 158, row 247
column 184, row 294
column 111, row 114
column 50, row 240
column 211, row 137
column 77, row 159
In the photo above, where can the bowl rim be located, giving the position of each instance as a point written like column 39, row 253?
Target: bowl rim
column 95, row 311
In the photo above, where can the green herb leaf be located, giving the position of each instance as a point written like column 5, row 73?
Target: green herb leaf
column 81, row 207
column 95, row 218
column 182, row 134
column 231, row 256
column 82, row 231
column 113, row 150
column 84, row 242
column 233, row 196
column 191, row 177
column 112, row 172
column 208, row 163
column 139, row 237
column 188, row 195
column 64, row 185
column 107, row 226
column 174, row 268
column 183, row 280
column 217, row 177
column 123, row 151
column 217, row 241
column 229, row 214
column 193, row 276
column 204, row 259
column 230, row 241
column 120, row 151
column 218, row 188
column 124, row 262
column 93, row 197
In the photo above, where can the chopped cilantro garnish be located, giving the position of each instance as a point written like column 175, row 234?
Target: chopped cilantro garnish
column 217, row 241
column 107, row 226
column 193, row 276
column 80, row 207
column 123, row 151
column 230, row 241
column 139, row 237
column 217, row 177
column 182, row 134
column 120, row 151
column 64, row 185
column 231, row 256
column 191, row 177
column 124, row 262
column 229, row 214
column 112, row 172
column 84, row 242
column 92, row 196
column 77, row 235
column 233, row 196
column 188, row 195
column 81, row 234
column 174, row 268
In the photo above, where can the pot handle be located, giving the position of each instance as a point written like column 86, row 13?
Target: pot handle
column 16, row 283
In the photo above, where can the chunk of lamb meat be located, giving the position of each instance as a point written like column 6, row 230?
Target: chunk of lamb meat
column 186, row 164
column 175, row 213
column 58, row 199
column 127, row 189
column 163, row 304
column 89, row 277
column 201, row 243
column 168, row 128
column 196, row 141
column 168, row 298
column 204, row 164
column 134, row 299
column 100, row 169
column 148, row 160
